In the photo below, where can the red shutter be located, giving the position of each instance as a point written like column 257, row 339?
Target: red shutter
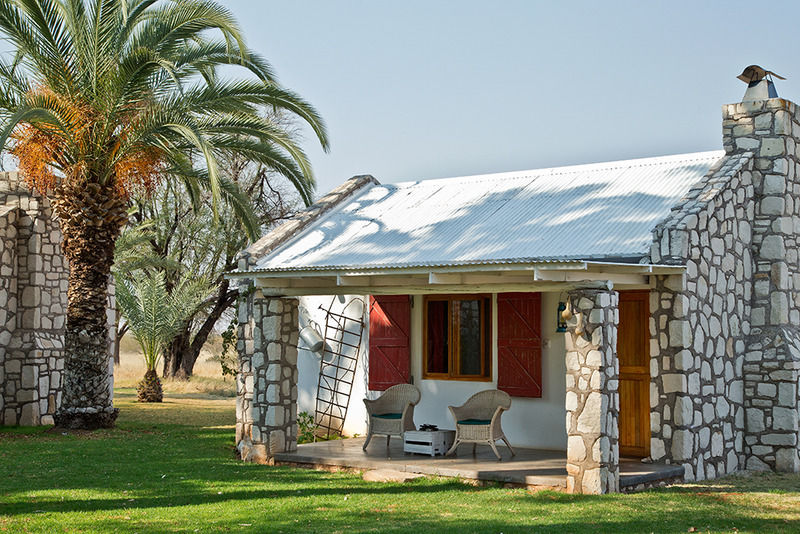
column 519, row 344
column 389, row 351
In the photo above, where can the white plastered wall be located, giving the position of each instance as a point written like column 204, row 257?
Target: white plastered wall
column 308, row 366
column 537, row 423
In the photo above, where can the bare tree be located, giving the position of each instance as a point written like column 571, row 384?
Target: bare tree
column 190, row 236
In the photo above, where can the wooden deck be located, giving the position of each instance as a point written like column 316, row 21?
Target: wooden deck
column 530, row 467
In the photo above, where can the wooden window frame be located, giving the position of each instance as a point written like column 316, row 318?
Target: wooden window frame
column 453, row 361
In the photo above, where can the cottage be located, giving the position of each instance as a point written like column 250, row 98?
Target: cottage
column 651, row 304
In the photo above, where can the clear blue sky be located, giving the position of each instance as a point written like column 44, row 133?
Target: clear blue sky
column 425, row 89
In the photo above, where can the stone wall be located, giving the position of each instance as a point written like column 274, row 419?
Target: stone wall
column 697, row 324
column 33, row 301
column 592, row 401
column 10, row 368
column 266, row 401
column 770, row 379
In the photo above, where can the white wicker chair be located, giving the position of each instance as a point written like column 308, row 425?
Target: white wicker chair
column 478, row 420
column 392, row 413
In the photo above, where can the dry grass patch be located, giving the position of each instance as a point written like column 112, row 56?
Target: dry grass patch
column 207, row 379
column 185, row 410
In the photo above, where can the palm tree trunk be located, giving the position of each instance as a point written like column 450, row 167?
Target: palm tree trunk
column 90, row 218
column 149, row 388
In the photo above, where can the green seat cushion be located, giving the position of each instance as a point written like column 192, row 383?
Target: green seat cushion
column 388, row 415
column 475, row 422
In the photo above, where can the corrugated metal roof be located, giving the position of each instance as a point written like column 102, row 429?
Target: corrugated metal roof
column 595, row 211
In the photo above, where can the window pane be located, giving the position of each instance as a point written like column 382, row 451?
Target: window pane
column 469, row 324
column 438, row 321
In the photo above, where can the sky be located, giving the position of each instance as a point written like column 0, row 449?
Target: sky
column 414, row 90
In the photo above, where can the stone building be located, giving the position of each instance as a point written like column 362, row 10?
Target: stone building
column 33, row 301
column 663, row 292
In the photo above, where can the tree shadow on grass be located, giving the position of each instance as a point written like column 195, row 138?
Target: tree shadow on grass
column 133, row 471
column 551, row 513
column 154, row 469
column 311, row 501
column 188, row 493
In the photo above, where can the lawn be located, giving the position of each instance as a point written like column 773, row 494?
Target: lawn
column 171, row 468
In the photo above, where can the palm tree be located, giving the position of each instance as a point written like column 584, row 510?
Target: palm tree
column 133, row 253
column 155, row 315
column 101, row 100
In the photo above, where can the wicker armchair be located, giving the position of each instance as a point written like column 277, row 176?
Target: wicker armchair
column 392, row 413
column 478, row 420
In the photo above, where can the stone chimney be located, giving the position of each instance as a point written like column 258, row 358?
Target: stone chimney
column 769, row 129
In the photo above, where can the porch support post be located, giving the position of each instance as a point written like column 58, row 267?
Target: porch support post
column 266, row 385
column 592, row 400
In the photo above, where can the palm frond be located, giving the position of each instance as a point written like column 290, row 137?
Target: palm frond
column 133, row 252
column 155, row 314
column 137, row 87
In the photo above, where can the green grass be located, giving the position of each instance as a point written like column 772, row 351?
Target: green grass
column 171, row 468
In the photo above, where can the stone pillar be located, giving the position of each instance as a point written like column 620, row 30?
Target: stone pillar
column 266, row 402
column 592, row 401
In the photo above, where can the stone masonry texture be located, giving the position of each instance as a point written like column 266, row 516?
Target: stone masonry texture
column 33, row 299
column 592, row 400
column 266, row 384
column 724, row 335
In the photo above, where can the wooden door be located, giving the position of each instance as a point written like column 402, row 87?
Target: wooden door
column 519, row 344
column 634, row 373
column 389, row 331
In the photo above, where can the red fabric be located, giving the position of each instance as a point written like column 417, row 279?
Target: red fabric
column 519, row 344
column 438, row 323
column 389, row 350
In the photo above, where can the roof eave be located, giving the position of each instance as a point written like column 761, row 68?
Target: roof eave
column 528, row 276
column 484, row 266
